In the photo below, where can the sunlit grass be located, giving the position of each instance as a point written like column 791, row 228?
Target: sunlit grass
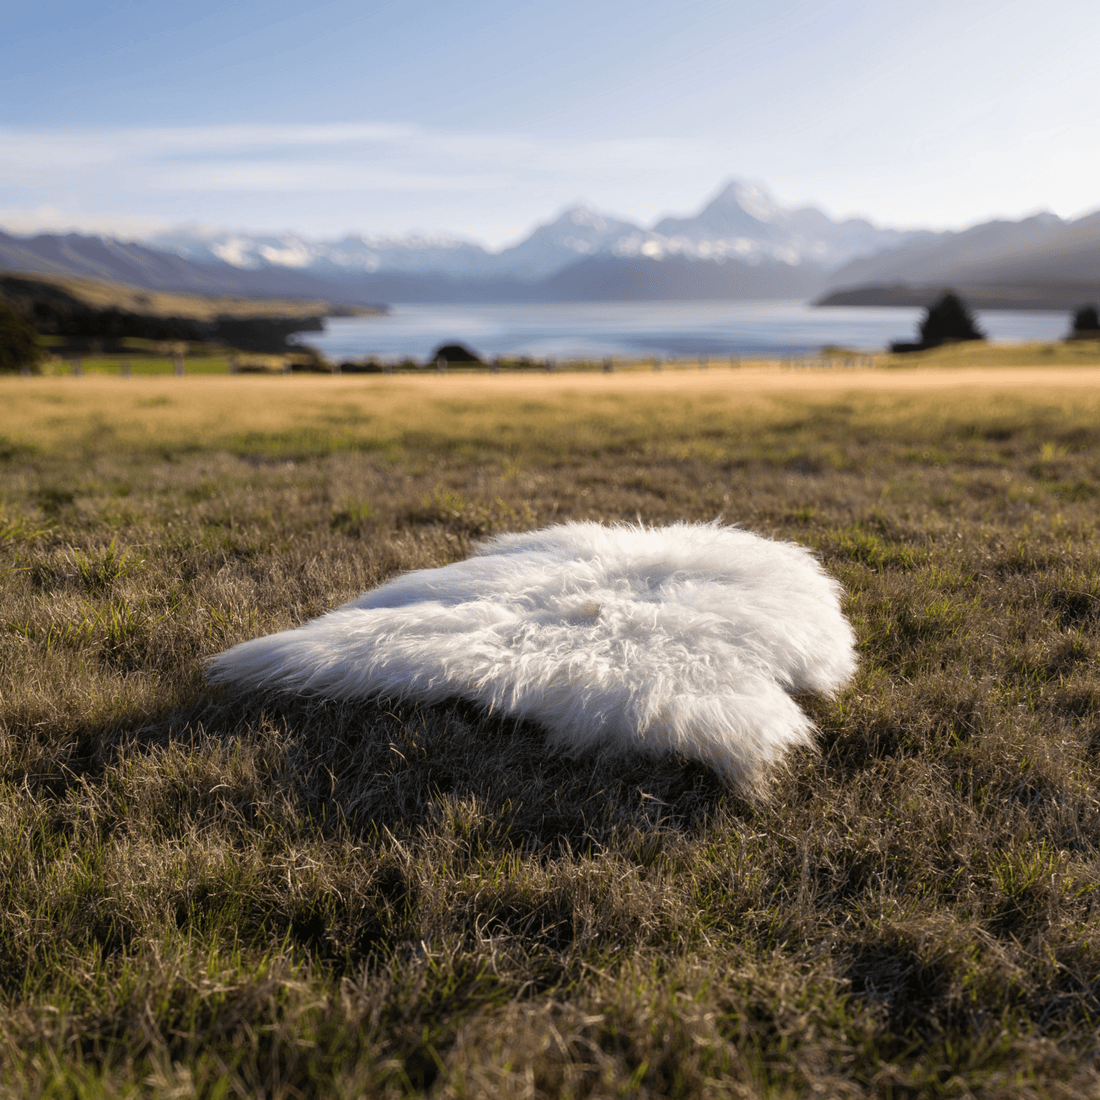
column 321, row 413
column 206, row 895
column 122, row 365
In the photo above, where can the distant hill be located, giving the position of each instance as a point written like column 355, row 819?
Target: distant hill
column 1040, row 262
column 1038, row 296
column 82, row 310
column 20, row 290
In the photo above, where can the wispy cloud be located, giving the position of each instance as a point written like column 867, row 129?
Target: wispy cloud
column 303, row 156
column 311, row 177
column 389, row 176
column 49, row 147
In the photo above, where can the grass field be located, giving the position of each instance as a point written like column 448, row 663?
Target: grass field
column 218, row 361
column 214, row 896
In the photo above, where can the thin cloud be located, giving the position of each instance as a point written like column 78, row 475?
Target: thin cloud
column 312, row 177
column 310, row 150
column 391, row 178
column 326, row 178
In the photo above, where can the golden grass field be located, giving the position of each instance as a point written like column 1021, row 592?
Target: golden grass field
column 376, row 410
column 203, row 894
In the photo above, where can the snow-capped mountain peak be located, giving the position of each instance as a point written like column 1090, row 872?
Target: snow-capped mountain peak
column 752, row 198
column 743, row 221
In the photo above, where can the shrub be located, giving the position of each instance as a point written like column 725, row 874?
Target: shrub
column 454, row 353
column 18, row 341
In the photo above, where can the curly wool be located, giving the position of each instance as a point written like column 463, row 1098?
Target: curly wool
column 691, row 638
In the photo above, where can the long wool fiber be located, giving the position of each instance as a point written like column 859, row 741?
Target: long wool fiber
column 691, row 637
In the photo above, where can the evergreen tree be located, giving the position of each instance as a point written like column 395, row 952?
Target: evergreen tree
column 1085, row 320
column 948, row 318
column 18, row 341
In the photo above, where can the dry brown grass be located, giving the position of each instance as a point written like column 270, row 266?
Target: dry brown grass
column 220, row 896
column 320, row 414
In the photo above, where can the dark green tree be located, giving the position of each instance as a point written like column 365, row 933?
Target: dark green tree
column 948, row 319
column 18, row 341
column 1086, row 321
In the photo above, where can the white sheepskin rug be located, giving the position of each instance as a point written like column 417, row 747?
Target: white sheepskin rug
column 691, row 638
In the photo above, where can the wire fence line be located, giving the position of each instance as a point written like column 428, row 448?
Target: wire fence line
column 179, row 365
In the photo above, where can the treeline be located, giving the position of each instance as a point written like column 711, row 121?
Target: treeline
column 52, row 311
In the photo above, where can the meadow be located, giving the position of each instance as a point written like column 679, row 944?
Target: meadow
column 209, row 895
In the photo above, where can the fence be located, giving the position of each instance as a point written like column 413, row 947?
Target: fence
column 179, row 366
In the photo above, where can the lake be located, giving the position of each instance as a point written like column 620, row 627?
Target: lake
column 625, row 329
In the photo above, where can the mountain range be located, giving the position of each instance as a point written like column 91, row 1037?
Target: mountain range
column 742, row 223
column 742, row 244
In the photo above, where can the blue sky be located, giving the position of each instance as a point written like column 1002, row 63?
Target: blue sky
column 482, row 118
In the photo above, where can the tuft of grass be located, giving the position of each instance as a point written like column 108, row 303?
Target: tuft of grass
column 20, row 528
column 99, row 572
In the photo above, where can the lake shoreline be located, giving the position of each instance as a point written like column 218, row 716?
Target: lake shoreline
column 672, row 330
